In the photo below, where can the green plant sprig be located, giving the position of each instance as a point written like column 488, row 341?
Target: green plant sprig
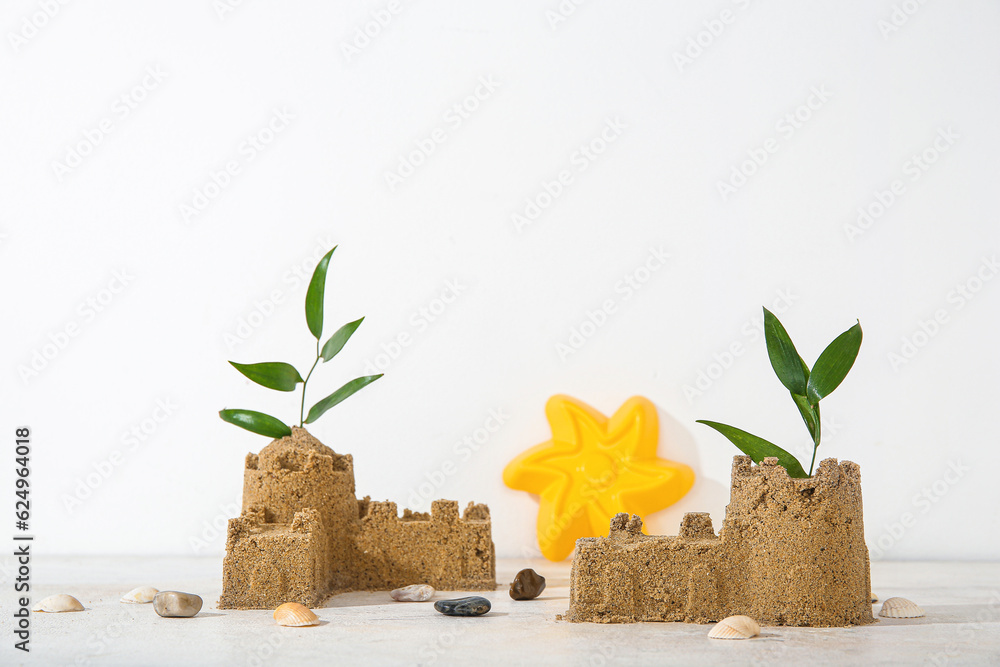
column 807, row 388
column 281, row 376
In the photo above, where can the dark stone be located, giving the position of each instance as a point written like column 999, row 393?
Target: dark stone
column 470, row 606
column 527, row 585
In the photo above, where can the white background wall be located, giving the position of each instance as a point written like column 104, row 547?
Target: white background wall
column 893, row 77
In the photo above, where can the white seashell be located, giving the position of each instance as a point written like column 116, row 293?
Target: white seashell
column 413, row 593
column 900, row 608
column 735, row 627
column 140, row 595
column 874, row 598
column 58, row 603
column 295, row 615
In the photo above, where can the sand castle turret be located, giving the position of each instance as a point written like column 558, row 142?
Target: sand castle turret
column 304, row 535
column 790, row 552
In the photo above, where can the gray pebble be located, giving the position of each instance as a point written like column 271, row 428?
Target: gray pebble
column 470, row 606
column 174, row 604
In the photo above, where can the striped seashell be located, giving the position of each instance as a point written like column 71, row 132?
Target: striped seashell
column 900, row 608
column 295, row 615
column 735, row 627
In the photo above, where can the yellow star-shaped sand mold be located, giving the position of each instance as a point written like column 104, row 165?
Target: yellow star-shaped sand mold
column 593, row 468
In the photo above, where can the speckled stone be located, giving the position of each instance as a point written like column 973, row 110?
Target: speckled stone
column 174, row 604
column 527, row 585
column 470, row 606
column 413, row 593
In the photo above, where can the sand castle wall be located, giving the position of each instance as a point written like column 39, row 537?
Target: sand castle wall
column 791, row 552
column 304, row 535
column 442, row 549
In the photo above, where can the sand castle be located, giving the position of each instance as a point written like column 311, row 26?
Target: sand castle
column 790, row 552
column 304, row 535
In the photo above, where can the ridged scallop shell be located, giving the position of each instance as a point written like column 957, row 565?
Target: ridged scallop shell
column 900, row 608
column 58, row 603
column 735, row 627
column 295, row 615
column 140, row 595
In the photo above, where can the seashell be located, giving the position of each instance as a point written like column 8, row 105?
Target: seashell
column 58, row 603
column 140, row 595
column 735, row 627
column 900, row 608
column 874, row 598
column 295, row 615
column 413, row 593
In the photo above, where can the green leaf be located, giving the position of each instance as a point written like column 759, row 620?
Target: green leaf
column 355, row 385
column 787, row 363
column 758, row 448
column 271, row 374
column 339, row 339
column 810, row 415
column 833, row 365
column 315, row 294
column 256, row 422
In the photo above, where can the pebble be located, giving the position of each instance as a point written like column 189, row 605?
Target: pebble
column 174, row 604
column 413, row 593
column 470, row 606
column 527, row 585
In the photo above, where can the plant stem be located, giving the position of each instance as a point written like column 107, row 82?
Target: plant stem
column 811, row 464
column 302, row 407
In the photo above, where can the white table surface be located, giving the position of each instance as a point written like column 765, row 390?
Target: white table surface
column 962, row 626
